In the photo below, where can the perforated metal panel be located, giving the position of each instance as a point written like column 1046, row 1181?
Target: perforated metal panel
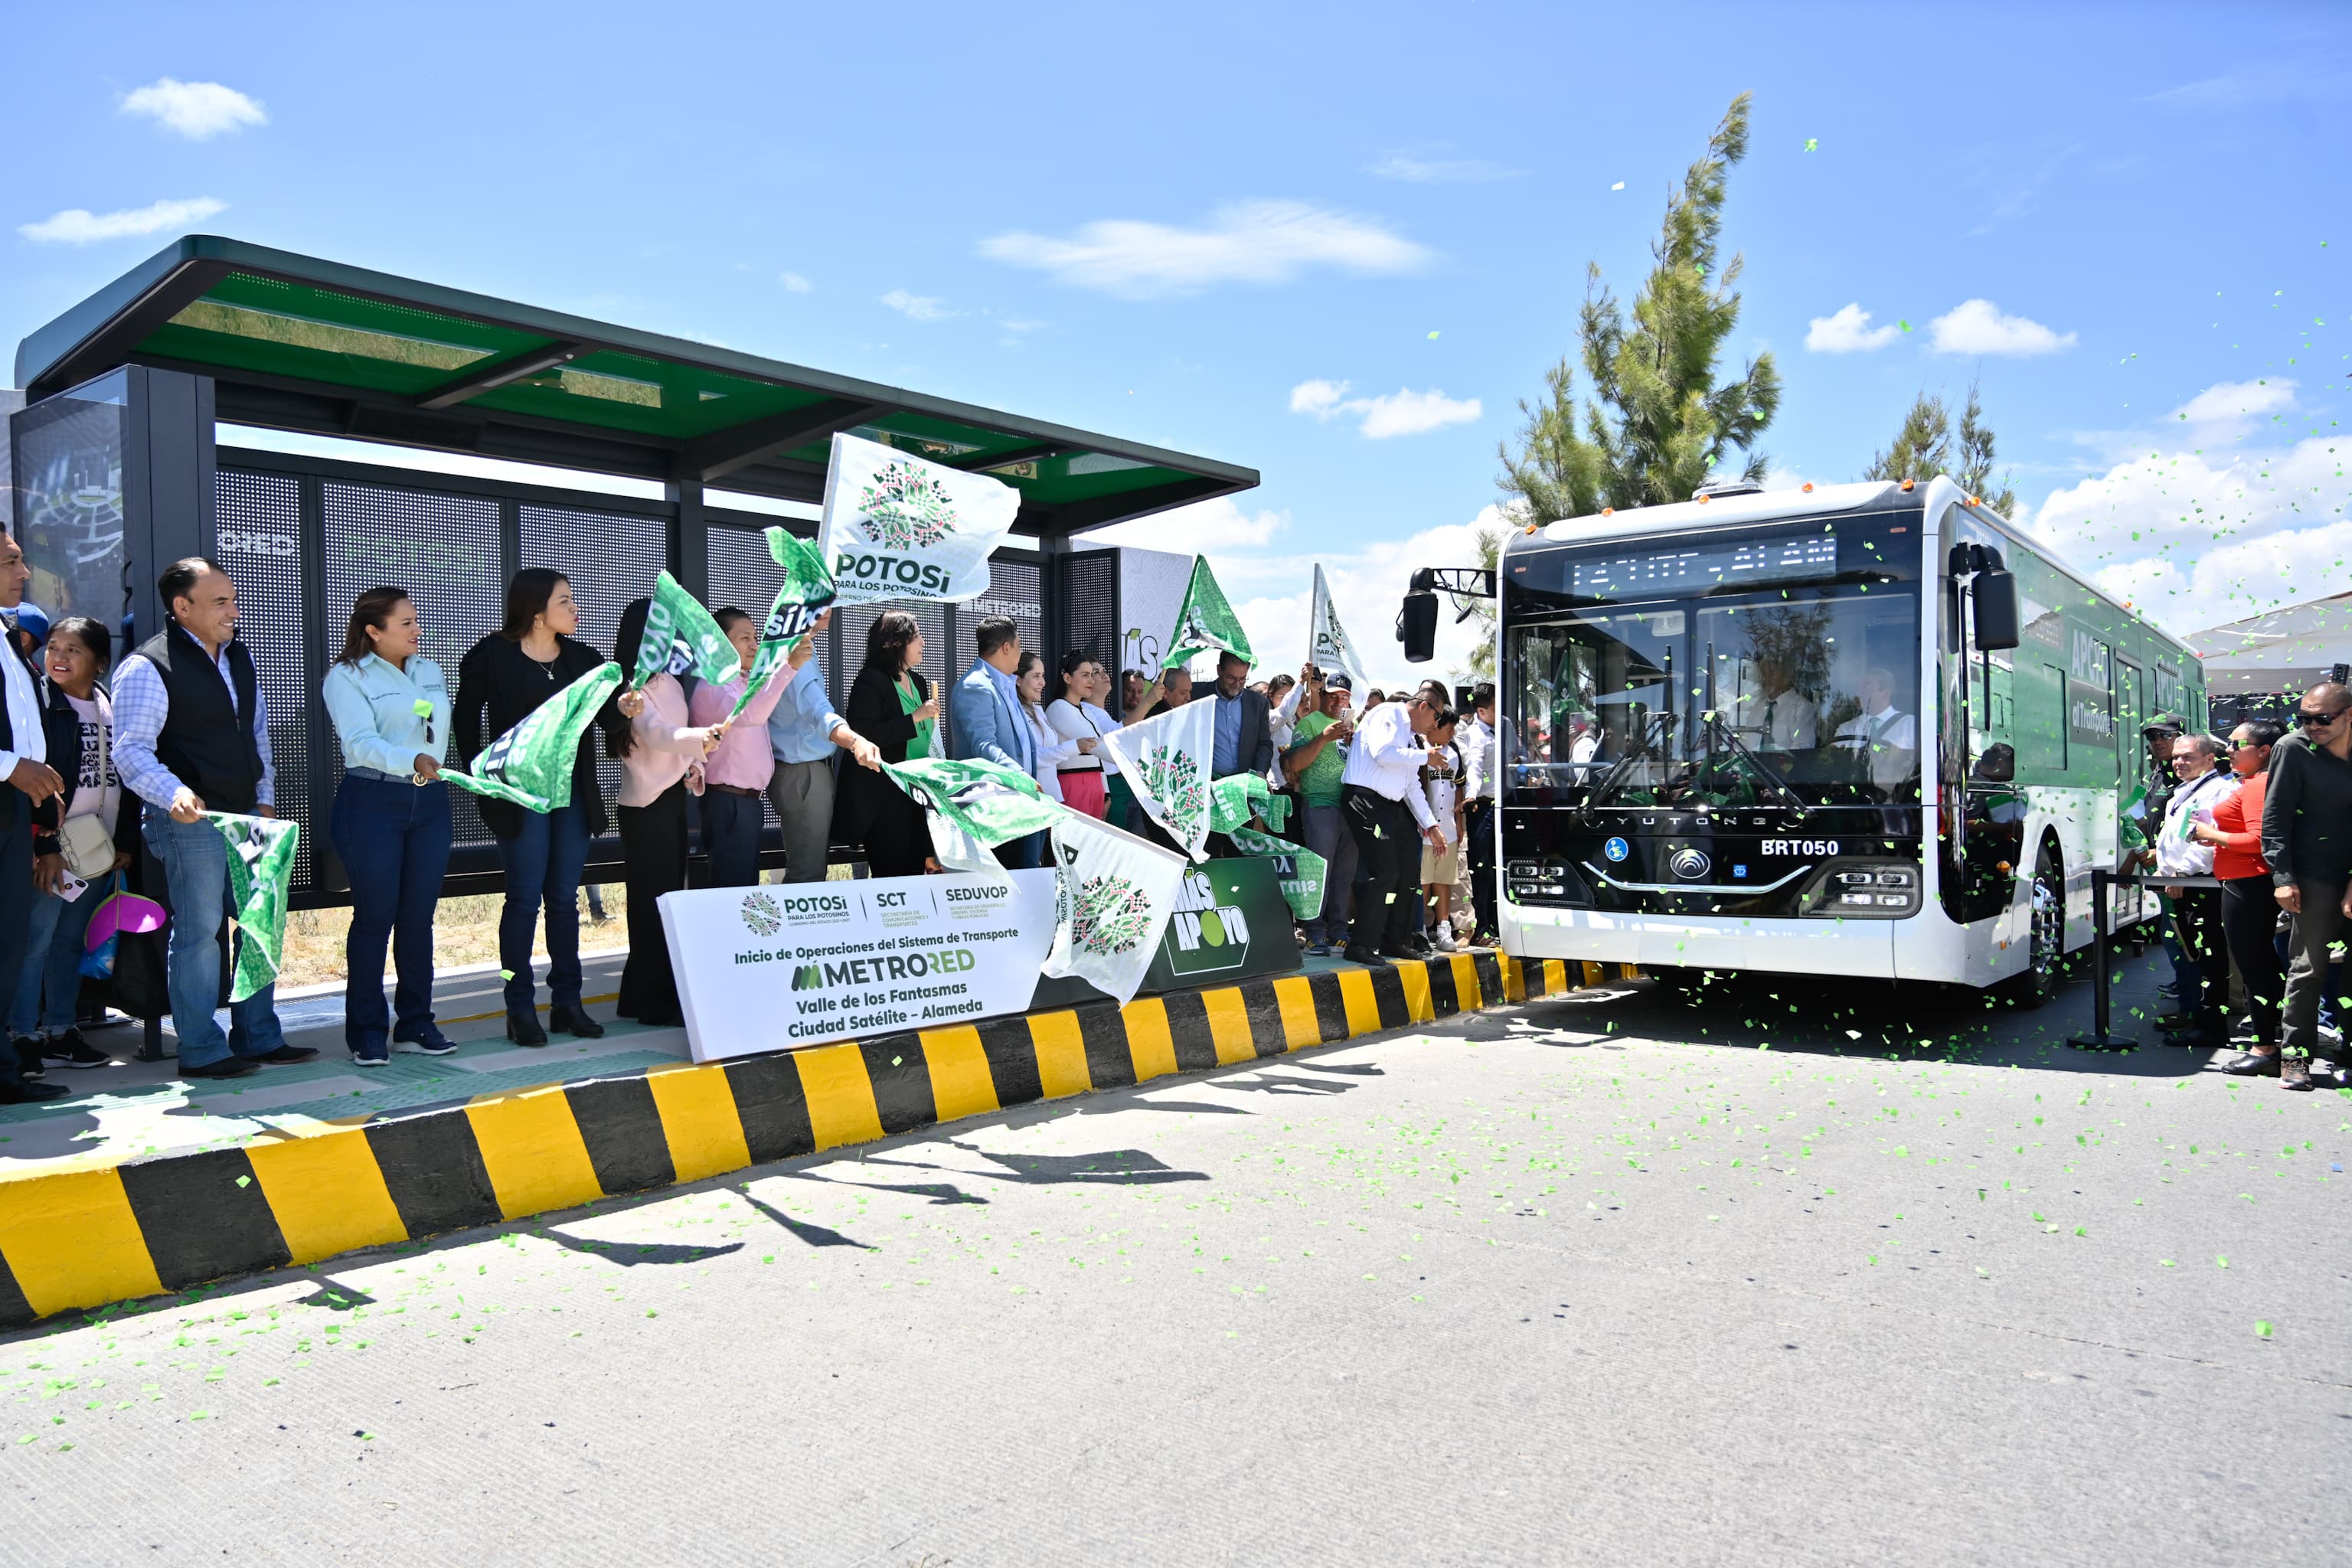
column 259, row 541
column 1090, row 604
column 443, row 549
column 743, row 572
column 1017, row 589
column 611, row 558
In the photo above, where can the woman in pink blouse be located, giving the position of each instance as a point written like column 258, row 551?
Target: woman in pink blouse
column 736, row 775
column 661, row 757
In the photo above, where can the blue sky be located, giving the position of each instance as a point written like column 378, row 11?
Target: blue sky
column 1173, row 223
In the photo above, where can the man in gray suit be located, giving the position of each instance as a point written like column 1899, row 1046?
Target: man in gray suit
column 985, row 723
column 1245, row 734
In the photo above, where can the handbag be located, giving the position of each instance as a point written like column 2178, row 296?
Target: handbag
column 88, row 846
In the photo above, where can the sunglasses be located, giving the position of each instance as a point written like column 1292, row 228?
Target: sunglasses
column 2310, row 720
column 2248, row 745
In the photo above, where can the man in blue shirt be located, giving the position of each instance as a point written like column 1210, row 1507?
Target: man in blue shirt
column 804, row 731
column 1243, row 741
column 985, row 721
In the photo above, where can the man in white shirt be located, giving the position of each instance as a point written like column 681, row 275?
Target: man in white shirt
column 1779, row 716
column 1483, row 760
column 1387, row 816
column 2205, row 782
column 1887, row 734
column 25, row 780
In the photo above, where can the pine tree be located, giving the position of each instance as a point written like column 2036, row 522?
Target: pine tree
column 1924, row 447
column 1657, row 424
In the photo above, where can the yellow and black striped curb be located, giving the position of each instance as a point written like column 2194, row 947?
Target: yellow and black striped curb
column 86, row 1236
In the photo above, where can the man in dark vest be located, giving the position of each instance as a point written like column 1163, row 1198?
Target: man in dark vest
column 190, row 736
column 25, row 780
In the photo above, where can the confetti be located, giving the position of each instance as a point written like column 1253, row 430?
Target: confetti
column 1904, row 324
column 1433, row 335
column 1618, row 186
column 1812, row 144
column 505, row 974
column 2261, row 1326
column 245, row 1181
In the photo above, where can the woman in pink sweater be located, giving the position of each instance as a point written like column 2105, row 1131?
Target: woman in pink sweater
column 661, row 761
column 736, row 775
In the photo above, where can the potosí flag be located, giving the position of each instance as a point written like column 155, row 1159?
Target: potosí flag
column 1113, row 895
column 1205, row 622
column 1299, row 871
column 1234, row 800
column 898, row 527
column 260, row 865
column 530, row 764
column 1165, row 759
column 1327, row 647
column 973, row 806
column 803, row 599
column 680, row 636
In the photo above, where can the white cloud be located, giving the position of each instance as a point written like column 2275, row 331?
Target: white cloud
column 198, row 110
column 1197, row 528
column 794, row 283
column 2228, row 402
column 2194, row 539
column 1419, row 170
column 1978, row 327
column 1403, row 412
column 1848, row 331
column 78, row 226
column 918, row 307
column 1250, row 242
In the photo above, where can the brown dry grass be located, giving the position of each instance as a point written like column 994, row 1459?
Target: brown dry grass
column 464, row 931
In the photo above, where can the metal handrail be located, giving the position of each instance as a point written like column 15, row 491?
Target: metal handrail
column 2101, row 1038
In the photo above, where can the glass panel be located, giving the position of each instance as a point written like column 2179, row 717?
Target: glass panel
column 259, row 541
column 610, row 558
column 69, row 500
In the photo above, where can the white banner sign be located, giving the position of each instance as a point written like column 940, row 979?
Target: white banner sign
column 899, row 527
column 808, row 963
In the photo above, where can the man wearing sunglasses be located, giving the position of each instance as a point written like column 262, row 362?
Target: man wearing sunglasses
column 2307, row 840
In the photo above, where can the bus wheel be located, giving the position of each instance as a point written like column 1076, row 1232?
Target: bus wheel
column 2047, row 945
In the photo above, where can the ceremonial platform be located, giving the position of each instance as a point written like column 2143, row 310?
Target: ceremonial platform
column 144, row 1183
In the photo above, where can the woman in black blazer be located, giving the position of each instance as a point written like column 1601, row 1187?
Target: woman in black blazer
column 506, row 675
column 890, row 704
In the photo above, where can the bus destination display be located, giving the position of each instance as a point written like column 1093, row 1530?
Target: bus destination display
column 1703, row 567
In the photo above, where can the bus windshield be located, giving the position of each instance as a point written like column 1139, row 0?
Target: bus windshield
column 1778, row 666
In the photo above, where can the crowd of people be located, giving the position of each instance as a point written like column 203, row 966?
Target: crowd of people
column 102, row 762
column 2267, row 814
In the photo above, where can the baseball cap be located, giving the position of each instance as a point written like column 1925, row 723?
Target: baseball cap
column 2165, row 723
column 32, row 621
column 1338, row 681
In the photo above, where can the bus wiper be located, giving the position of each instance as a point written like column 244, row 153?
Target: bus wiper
column 1618, row 769
column 1717, row 724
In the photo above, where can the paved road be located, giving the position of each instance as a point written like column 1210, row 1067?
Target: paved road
column 1598, row 1280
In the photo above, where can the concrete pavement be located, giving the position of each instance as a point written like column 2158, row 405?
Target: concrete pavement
column 1590, row 1280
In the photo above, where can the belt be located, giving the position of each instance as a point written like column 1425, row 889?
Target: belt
column 1090, row 768
column 1348, row 789
column 731, row 789
column 380, row 776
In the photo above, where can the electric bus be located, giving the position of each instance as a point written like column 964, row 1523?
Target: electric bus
column 1854, row 729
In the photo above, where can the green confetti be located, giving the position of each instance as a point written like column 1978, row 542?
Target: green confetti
column 1812, row 144
column 2262, row 1328
column 2221, row 1262
column 421, row 708
column 896, row 1060
column 1902, row 323
column 505, row 974
column 245, row 1181
column 1433, row 335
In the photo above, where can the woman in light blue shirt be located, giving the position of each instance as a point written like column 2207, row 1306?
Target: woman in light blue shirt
column 391, row 821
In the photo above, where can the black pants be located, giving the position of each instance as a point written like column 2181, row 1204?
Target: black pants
column 653, row 858
column 2309, row 936
column 1387, row 888
column 1479, row 827
column 2197, row 916
column 17, row 904
column 2248, row 917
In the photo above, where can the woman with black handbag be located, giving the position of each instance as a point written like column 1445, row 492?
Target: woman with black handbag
column 73, row 847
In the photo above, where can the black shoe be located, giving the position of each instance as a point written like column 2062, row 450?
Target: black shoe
column 69, row 1050
column 16, row 1091
column 1421, row 946
column 2252, row 1064
column 574, row 1021
column 1369, row 957
column 523, row 1029
column 425, row 1039
column 286, row 1056
column 230, row 1066
column 28, row 1056
column 2294, row 1072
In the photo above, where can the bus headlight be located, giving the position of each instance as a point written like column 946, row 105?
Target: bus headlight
column 1546, row 881
column 1852, row 890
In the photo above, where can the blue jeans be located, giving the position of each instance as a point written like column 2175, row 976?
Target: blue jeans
column 53, row 963
column 1324, row 833
column 542, row 864
column 196, row 865
column 393, row 838
column 2186, row 981
column 730, row 837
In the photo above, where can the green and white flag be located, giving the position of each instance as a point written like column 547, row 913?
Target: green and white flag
column 1113, row 896
column 260, row 864
column 531, row 763
column 1299, row 869
column 898, row 527
column 1165, row 761
column 1234, row 800
column 1327, row 648
column 973, row 806
column 1205, row 622
column 680, row 636
column 799, row 604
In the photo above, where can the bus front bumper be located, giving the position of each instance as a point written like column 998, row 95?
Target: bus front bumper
column 1865, row 949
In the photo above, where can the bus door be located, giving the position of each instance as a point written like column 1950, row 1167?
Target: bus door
column 2132, row 774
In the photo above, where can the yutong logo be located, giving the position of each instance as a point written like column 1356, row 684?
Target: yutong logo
column 872, row 971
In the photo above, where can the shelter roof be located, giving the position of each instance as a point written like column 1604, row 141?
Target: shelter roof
column 294, row 343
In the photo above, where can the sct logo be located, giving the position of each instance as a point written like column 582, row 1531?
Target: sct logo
column 895, row 569
column 1799, row 847
column 1616, row 849
column 809, row 977
column 1690, row 865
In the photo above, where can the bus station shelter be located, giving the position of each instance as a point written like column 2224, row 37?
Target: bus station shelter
column 118, row 470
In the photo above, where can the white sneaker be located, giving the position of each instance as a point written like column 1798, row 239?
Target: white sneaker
column 1444, row 943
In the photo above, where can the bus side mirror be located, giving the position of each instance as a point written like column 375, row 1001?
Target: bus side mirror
column 1416, row 628
column 1995, row 596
